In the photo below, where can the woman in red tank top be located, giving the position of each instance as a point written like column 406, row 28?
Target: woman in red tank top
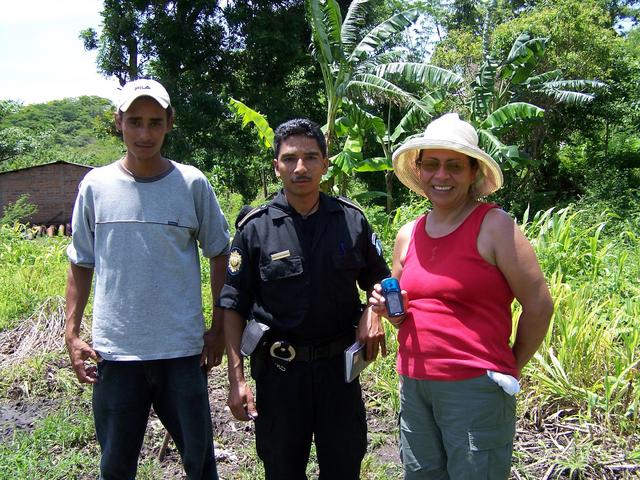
column 460, row 266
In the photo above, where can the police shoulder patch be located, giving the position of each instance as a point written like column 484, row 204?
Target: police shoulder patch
column 235, row 261
column 375, row 241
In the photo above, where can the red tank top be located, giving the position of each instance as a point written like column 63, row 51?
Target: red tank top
column 458, row 320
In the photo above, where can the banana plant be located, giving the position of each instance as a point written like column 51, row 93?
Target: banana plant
column 248, row 116
column 498, row 85
column 362, row 66
column 264, row 133
column 357, row 122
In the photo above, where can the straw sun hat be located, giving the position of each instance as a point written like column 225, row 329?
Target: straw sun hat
column 447, row 133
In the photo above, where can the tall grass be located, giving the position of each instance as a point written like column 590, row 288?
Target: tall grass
column 387, row 225
column 30, row 271
column 588, row 365
column 590, row 359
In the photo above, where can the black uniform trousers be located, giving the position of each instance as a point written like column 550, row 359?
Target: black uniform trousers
column 309, row 400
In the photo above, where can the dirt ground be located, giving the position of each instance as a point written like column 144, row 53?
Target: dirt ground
column 22, row 415
column 549, row 445
column 235, row 446
column 552, row 441
column 20, row 411
column 234, row 440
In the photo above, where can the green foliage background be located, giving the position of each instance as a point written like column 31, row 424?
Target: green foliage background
column 77, row 130
column 577, row 200
column 586, row 370
column 260, row 53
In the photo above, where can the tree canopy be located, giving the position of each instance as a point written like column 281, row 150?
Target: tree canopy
column 365, row 64
column 74, row 129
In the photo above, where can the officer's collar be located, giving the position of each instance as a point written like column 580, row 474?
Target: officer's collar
column 284, row 209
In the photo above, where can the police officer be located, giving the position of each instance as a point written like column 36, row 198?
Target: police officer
column 294, row 266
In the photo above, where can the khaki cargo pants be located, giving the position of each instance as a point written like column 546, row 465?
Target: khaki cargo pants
column 458, row 430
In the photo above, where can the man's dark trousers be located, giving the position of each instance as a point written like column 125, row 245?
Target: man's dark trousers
column 122, row 398
column 309, row 400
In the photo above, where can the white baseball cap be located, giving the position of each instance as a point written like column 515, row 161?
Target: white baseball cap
column 142, row 88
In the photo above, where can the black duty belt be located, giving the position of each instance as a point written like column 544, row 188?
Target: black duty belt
column 288, row 352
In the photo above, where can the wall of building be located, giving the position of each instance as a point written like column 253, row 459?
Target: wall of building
column 53, row 188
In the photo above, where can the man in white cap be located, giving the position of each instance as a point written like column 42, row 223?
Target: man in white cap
column 137, row 223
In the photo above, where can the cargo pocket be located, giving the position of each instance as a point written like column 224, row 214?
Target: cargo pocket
column 491, row 451
column 490, row 438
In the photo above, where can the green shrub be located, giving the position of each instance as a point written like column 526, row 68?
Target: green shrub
column 18, row 211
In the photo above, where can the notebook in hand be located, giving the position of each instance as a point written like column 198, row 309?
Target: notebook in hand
column 354, row 361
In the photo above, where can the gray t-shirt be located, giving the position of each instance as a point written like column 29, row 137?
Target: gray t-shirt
column 140, row 236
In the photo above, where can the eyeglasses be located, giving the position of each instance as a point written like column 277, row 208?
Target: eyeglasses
column 432, row 165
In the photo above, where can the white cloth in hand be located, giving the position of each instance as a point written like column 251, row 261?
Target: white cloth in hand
column 508, row 383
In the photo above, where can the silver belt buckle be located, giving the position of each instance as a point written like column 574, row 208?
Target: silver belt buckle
column 282, row 350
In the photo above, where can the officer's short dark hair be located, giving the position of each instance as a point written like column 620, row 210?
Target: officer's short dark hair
column 299, row 126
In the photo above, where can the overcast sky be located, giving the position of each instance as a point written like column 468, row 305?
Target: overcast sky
column 41, row 56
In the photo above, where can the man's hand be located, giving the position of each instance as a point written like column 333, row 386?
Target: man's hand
column 241, row 401
column 213, row 348
column 77, row 294
column 79, row 353
column 371, row 334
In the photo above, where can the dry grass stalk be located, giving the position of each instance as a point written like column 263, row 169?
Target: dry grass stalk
column 543, row 450
column 42, row 332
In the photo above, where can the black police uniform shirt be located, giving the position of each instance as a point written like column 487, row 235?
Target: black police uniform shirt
column 300, row 276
